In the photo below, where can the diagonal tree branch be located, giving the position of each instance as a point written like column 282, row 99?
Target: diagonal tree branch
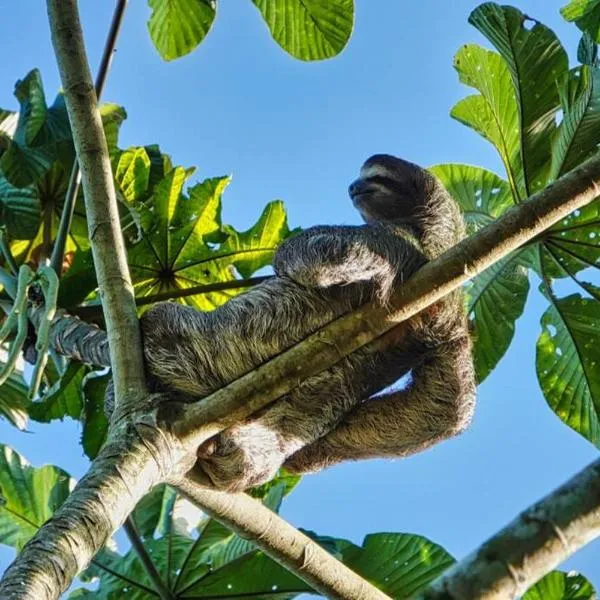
column 538, row 540
column 289, row 547
column 108, row 247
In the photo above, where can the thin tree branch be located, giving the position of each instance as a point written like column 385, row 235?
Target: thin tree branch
column 538, row 540
column 282, row 542
column 153, row 574
column 92, row 311
column 108, row 247
column 66, row 217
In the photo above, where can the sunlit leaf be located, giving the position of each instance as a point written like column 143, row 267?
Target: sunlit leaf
column 561, row 586
column 585, row 14
column 309, row 29
column 399, row 564
column 178, row 26
column 536, row 61
column 185, row 244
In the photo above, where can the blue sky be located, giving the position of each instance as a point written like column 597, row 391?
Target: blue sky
column 299, row 132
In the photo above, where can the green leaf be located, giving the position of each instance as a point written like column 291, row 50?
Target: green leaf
column 177, row 26
column 573, row 246
column 309, row 29
column 579, row 132
column 33, row 147
column 167, row 554
column 587, row 50
column 29, row 496
column 399, row 564
column 536, row 61
column 95, row 423
column 19, row 210
column 482, row 195
column 63, row 398
column 152, row 514
column 14, row 401
column 493, row 114
column 585, row 14
column 568, row 359
column 561, row 586
column 253, row 249
column 185, row 244
column 132, row 174
column 495, row 298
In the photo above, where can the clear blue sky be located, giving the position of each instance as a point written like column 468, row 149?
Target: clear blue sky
column 299, row 132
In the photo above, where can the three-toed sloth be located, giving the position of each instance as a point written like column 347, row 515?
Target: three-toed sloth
column 322, row 273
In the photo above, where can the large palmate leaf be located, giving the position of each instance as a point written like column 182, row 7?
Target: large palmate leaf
column 309, row 29
column 495, row 298
column 585, row 14
column 493, row 114
column 561, row 586
column 185, row 244
column 536, row 61
column 29, row 496
column 178, row 26
column 568, row 361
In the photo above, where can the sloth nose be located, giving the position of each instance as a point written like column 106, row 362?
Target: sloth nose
column 355, row 187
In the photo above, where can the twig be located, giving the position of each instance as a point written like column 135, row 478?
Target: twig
column 92, row 311
column 142, row 554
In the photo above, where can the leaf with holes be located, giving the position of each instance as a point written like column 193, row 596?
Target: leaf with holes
column 177, row 26
column 400, row 564
column 495, row 298
column 29, row 496
column 585, row 14
column 561, row 586
column 568, row 362
column 493, row 113
column 309, row 29
column 185, row 244
column 536, row 61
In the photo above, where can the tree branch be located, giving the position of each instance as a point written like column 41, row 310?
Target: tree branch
column 108, row 248
column 290, row 548
column 66, row 217
column 538, row 540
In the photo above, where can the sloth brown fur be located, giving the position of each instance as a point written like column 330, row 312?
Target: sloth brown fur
column 322, row 273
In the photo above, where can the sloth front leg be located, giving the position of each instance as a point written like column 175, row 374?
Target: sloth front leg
column 330, row 255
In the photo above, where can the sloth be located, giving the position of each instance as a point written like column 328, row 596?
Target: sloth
column 346, row 412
